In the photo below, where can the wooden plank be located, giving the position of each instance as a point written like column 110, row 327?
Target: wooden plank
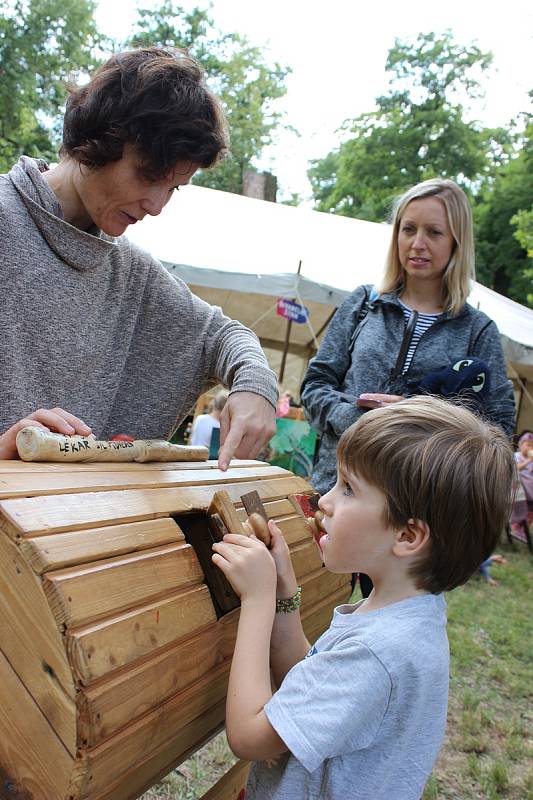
column 180, row 723
column 114, row 703
column 36, row 484
column 144, row 774
column 305, row 558
column 90, row 591
column 30, row 640
column 46, row 553
column 28, row 745
column 43, row 466
column 294, row 529
column 231, row 786
column 54, row 514
column 101, row 648
column 221, row 504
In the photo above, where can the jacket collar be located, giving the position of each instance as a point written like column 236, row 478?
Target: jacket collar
column 392, row 298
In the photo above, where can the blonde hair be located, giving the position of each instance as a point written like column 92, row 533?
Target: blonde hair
column 461, row 267
column 218, row 402
column 436, row 461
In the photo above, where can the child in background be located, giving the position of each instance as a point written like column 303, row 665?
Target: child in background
column 423, row 491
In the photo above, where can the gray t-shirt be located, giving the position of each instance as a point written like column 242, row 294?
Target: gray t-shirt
column 363, row 715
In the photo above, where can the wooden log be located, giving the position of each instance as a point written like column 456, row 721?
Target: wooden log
column 38, row 444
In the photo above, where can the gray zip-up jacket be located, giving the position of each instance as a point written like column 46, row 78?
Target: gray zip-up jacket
column 97, row 326
column 336, row 377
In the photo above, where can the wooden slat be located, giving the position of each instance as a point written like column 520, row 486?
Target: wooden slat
column 294, row 529
column 45, row 553
column 116, row 702
column 274, row 509
column 99, row 649
column 91, row 591
column 305, row 558
column 46, row 483
column 41, row 515
column 43, row 466
column 33, row 761
column 178, row 722
column 230, row 786
column 142, row 775
column 30, row 640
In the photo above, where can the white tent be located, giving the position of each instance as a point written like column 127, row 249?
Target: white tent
column 243, row 254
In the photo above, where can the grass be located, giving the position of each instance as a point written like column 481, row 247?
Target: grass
column 487, row 752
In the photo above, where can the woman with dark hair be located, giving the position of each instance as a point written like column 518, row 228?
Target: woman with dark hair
column 96, row 335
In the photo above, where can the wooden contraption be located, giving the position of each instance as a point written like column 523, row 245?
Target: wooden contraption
column 114, row 653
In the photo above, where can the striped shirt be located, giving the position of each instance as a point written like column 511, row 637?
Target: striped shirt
column 423, row 322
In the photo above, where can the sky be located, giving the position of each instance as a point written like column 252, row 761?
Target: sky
column 337, row 51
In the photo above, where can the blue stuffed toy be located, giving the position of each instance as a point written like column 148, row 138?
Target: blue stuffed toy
column 467, row 378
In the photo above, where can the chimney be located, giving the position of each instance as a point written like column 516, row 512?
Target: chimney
column 261, row 185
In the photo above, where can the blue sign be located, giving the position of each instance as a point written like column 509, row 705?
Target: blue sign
column 291, row 310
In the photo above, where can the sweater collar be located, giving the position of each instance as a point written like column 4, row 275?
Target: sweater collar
column 81, row 250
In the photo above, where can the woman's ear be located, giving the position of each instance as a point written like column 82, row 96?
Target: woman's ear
column 411, row 539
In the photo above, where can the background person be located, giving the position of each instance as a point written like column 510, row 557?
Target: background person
column 95, row 334
column 418, row 323
column 203, row 425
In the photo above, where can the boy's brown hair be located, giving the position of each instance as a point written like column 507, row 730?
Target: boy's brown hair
column 436, row 461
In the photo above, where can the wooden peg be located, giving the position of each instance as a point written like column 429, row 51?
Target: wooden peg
column 221, row 504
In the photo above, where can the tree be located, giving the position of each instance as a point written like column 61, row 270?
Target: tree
column 417, row 131
column 504, row 226
column 237, row 73
column 42, row 42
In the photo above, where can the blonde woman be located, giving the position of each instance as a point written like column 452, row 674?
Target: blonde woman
column 384, row 342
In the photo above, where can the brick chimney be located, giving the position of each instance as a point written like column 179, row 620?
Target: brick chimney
column 261, row 185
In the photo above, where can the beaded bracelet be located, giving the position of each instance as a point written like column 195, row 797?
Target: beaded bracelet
column 290, row 604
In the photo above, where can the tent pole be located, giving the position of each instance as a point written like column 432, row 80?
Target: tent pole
column 287, row 339
column 285, row 349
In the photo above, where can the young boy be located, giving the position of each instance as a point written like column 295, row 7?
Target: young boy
column 423, row 491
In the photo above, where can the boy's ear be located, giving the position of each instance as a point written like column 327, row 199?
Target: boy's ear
column 412, row 538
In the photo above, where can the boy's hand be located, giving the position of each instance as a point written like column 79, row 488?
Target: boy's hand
column 286, row 585
column 248, row 566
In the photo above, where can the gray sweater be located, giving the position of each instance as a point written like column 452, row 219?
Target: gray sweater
column 336, row 377
column 97, row 326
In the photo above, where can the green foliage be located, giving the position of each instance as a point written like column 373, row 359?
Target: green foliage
column 237, row 73
column 42, row 42
column 504, row 227
column 417, row 131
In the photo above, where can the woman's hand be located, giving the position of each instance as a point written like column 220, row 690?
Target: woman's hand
column 51, row 419
column 246, row 425
column 248, row 566
column 375, row 400
column 286, row 584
